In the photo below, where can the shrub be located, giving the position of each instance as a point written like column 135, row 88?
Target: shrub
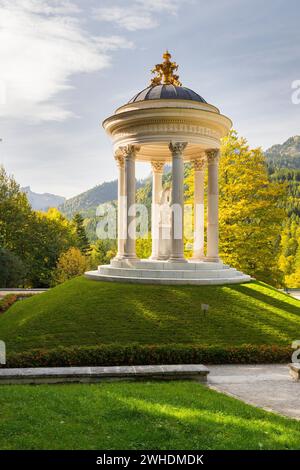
column 72, row 263
column 102, row 251
column 120, row 355
column 7, row 301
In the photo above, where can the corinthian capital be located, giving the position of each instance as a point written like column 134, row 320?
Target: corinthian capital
column 177, row 148
column 129, row 151
column 119, row 159
column 199, row 163
column 157, row 166
column 212, row 155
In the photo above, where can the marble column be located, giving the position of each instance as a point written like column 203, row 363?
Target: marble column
column 198, row 249
column 121, row 206
column 212, row 206
column 177, row 233
column 129, row 155
column 157, row 172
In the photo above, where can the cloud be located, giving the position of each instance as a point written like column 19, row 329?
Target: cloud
column 42, row 44
column 131, row 19
column 139, row 14
column 170, row 6
column 46, row 7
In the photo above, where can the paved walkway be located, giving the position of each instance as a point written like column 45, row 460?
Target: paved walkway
column 266, row 386
column 292, row 292
column 295, row 293
column 4, row 292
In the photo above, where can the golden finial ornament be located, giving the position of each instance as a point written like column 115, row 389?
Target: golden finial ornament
column 165, row 72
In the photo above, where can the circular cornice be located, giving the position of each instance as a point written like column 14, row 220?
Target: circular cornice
column 154, row 125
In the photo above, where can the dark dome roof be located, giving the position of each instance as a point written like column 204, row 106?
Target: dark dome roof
column 167, row 92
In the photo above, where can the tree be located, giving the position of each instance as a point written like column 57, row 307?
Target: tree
column 144, row 247
column 15, row 214
column 50, row 235
column 83, row 242
column 102, row 251
column 70, row 264
column 250, row 218
column 12, row 272
column 289, row 260
column 293, row 280
column 37, row 239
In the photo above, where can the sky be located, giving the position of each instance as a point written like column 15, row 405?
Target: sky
column 67, row 65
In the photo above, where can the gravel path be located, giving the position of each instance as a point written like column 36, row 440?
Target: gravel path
column 266, row 386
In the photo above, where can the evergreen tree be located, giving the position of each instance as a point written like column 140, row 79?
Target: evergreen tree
column 83, row 242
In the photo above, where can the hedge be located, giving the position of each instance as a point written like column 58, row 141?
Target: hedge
column 7, row 302
column 9, row 299
column 120, row 355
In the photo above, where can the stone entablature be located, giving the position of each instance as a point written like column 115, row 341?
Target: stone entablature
column 153, row 128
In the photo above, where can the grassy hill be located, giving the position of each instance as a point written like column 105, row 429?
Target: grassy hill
column 87, row 313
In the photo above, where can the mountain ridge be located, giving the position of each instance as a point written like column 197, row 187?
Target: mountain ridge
column 42, row 201
column 286, row 155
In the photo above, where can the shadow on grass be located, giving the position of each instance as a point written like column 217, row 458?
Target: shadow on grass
column 84, row 312
column 233, row 319
column 143, row 415
column 273, row 301
column 215, row 422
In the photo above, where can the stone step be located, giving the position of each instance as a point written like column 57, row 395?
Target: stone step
column 41, row 375
column 167, row 266
column 177, row 274
column 95, row 275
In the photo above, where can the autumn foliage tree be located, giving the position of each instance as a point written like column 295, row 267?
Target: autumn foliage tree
column 34, row 238
column 250, row 218
column 289, row 259
column 70, row 264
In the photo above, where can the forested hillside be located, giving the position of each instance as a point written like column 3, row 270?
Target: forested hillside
column 286, row 155
column 284, row 166
column 87, row 202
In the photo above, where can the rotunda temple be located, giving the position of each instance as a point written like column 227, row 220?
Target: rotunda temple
column 167, row 123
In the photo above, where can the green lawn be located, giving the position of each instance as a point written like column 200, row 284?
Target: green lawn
column 143, row 415
column 86, row 313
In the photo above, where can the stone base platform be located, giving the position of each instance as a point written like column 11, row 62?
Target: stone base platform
column 164, row 272
column 40, row 375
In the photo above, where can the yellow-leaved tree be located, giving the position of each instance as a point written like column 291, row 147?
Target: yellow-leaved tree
column 70, row 264
column 250, row 218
